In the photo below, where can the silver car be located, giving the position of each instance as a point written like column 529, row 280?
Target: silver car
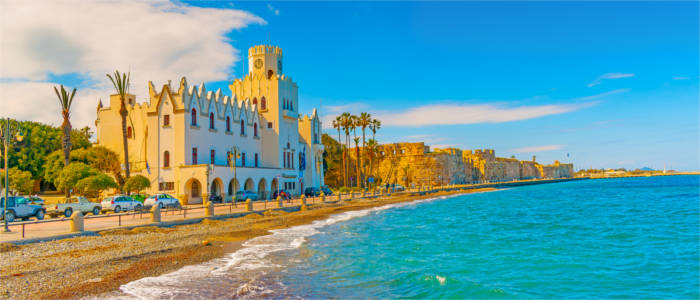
column 162, row 200
column 120, row 203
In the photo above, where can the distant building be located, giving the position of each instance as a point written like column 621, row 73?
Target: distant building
column 183, row 138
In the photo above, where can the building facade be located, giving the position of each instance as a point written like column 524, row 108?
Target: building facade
column 195, row 143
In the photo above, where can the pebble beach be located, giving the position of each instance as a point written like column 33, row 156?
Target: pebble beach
column 93, row 265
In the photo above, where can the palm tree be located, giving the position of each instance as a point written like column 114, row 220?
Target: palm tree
column 121, row 84
column 346, row 123
column 376, row 124
column 66, row 101
column 371, row 152
column 355, row 124
column 338, row 124
column 363, row 121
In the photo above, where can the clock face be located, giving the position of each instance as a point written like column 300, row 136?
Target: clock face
column 258, row 63
column 279, row 66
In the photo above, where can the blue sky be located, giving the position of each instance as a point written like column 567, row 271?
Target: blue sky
column 613, row 84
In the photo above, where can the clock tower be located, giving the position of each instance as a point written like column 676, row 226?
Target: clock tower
column 265, row 60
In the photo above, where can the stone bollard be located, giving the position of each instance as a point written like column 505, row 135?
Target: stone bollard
column 210, row 210
column 339, row 196
column 77, row 222
column 303, row 200
column 323, row 197
column 155, row 214
column 279, row 202
column 363, row 193
column 248, row 205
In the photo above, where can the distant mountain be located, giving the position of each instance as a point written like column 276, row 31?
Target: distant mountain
column 647, row 169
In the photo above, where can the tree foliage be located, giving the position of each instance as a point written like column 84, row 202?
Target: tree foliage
column 99, row 158
column 137, row 183
column 20, row 181
column 40, row 140
column 74, row 172
column 91, row 186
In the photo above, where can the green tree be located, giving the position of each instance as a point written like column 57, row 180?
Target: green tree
column 137, row 183
column 100, row 158
column 20, row 181
column 40, row 140
column 332, row 161
column 91, row 186
column 121, row 83
column 73, row 173
column 364, row 120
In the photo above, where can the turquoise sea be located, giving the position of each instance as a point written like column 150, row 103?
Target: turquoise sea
column 606, row 238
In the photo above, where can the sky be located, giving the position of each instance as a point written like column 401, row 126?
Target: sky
column 598, row 84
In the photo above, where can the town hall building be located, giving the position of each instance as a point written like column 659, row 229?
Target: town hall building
column 193, row 143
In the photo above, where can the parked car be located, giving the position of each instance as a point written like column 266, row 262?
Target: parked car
column 139, row 197
column 244, row 195
column 120, row 203
column 326, row 191
column 395, row 187
column 312, row 192
column 19, row 207
column 35, row 200
column 72, row 205
column 162, row 200
column 216, row 199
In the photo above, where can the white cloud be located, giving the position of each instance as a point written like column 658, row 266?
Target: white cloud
column 273, row 10
column 158, row 40
column 442, row 114
column 538, row 148
column 601, row 95
column 600, row 78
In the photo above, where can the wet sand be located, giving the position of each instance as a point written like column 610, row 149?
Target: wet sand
column 93, row 265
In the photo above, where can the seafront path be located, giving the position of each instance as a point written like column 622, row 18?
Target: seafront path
column 59, row 228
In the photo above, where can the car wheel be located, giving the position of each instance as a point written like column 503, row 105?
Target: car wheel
column 10, row 216
column 161, row 205
column 137, row 207
column 96, row 211
column 68, row 212
column 40, row 215
column 117, row 209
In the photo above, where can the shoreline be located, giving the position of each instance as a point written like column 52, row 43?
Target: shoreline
column 93, row 265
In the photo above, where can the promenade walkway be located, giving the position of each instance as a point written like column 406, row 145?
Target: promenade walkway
column 29, row 231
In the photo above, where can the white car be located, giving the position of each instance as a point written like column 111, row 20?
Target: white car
column 120, row 203
column 162, row 200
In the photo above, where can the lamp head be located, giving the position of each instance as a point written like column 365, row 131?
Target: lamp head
column 19, row 136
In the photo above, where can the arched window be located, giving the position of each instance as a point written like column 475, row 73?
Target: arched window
column 255, row 129
column 242, row 126
column 263, row 103
column 270, row 73
column 194, row 117
column 228, row 123
column 166, row 159
column 129, row 132
column 211, row 120
column 255, row 101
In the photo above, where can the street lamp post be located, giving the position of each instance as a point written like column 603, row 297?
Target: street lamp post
column 7, row 133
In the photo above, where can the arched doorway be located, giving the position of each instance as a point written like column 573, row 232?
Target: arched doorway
column 249, row 185
column 193, row 190
column 216, row 188
column 262, row 189
column 273, row 187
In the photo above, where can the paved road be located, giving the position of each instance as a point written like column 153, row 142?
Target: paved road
column 62, row 225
